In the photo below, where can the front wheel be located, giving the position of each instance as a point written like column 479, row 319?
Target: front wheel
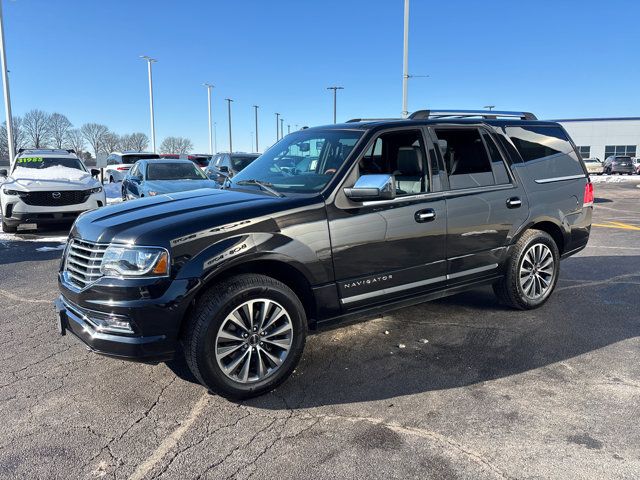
column 531, row 272
column 245, row 336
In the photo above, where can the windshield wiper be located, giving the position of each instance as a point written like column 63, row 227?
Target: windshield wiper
column 264, row 185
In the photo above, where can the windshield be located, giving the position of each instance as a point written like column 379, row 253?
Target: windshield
column 302, row 162
column 131, row 159
column 46, row 162
column 174, row 171
column 240, row 162
column 201, row 161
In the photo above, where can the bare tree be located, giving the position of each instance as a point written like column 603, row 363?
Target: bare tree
column 60, row 125
column 110, row 142
column 179, row 145
column 19, row 140
column 74, row 139
column 37, row 127
column 138, row 142
column 94, row 134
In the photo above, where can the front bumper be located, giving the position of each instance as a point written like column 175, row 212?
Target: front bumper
column 41, row 218
column 15, row 211
column 154, row 311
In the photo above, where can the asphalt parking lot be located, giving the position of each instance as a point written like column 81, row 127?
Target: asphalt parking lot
column 478, row 391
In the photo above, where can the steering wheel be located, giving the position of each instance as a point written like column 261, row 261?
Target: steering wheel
column 330, row 171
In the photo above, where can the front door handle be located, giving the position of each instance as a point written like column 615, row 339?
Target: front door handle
column 514, row 202
column 426, row 215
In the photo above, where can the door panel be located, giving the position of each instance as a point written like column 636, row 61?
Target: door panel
column 386, row 251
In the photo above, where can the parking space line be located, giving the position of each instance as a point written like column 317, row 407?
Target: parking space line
column 619, row 225
column 171, row 441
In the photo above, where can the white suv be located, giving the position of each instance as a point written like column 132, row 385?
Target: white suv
column 47, row 186
column 119, row 163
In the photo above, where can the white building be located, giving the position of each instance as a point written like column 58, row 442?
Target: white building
column 602, row 137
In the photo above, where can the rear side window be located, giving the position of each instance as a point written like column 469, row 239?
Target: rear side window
column 546, row 150
column 465, row 157
column 497, row 163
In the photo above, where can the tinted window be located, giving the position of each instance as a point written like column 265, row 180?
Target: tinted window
column 465, row 157
column 401, row 154
column 238, row 162
column 546, row 150
column 130, row 159
column 497, row 163
column 173, row 171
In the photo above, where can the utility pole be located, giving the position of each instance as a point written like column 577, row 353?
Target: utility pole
column 288, row 129
column 209, row 87
column 281, row 128
column 405, row 62
column 5, row 88
column 256, row 112
column 230, row 137
column 335, row 91
column 277, row 127
column 153, row 126
column 215, row 137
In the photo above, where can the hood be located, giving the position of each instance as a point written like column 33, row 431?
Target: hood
column 160, row 220
column 56, row 178
column 171, row 186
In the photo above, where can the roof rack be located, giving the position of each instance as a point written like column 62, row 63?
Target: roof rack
column 486, row 114
column 47, row 150
column 353, row 120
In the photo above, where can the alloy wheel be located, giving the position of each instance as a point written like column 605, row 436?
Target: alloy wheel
column 254, row 340
column 537, row 270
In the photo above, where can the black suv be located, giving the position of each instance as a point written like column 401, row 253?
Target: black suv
column 331, row 222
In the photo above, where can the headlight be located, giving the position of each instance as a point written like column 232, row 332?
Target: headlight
column 135, row 261
column 96, row 190
column 6, row 191
column 152, row 193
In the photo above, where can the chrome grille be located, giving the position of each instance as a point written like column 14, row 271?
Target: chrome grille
column 82, row 264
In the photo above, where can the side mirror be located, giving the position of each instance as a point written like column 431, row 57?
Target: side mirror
column 95, row 172
column 4, row 173
column 372, row 187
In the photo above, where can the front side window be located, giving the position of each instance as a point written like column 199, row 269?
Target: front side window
column 48, row 162
column 465, row 157
column 302, row 162
column 173, row 171
column 401, row 154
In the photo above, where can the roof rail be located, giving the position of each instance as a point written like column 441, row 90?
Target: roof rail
column 353, row 120
column 486, row 114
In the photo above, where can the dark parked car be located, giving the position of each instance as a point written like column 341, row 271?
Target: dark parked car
column 618, row 164
column 150, row 178
column 225, row 165
column 200, row 159
column 375, row 215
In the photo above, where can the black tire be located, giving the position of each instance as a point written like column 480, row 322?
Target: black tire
column 509, row 289
column 9, row 228
column 206, row 320
column 124, row 196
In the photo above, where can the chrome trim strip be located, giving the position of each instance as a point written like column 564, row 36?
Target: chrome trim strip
column 472, row 271
column 559, row 179
column 407, row 286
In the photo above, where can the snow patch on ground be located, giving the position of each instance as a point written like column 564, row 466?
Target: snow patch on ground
column 50, row 249
column 614, row 178
column 114, row 192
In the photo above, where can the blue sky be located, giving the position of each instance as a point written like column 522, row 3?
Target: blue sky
column 557, row 59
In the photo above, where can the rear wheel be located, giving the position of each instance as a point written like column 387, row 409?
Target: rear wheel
column 9, row 228
column 246, row 336
column 531, row 273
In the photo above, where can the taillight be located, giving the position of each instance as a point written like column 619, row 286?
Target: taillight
column 588, row 195
column 121, row 169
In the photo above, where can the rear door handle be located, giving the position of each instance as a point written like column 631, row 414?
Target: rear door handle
column 514, row 202
column 426, row 215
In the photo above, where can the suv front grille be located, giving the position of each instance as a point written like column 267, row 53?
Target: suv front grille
column 56, row 198
column 82, row 264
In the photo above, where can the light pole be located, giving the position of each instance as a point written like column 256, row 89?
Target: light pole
column 215, row 137
column 489, row 107
column 230, row 137
column 153, row 126
column 255, row 107
column 335, row 91
column 405, row 61
column 288, row 129
column 209, row 87
column 277, row 126
column 282, row 128
column 5, row 88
